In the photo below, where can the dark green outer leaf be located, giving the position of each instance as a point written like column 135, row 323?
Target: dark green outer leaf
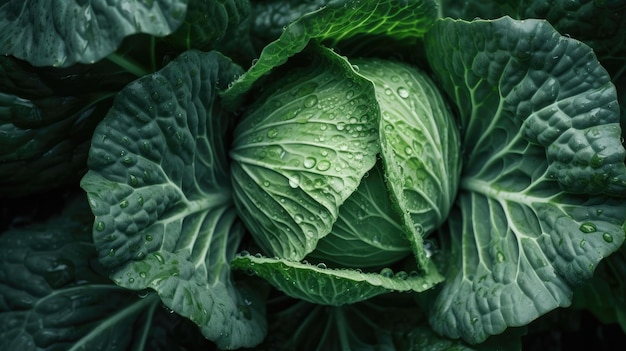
column 339, row 20
column 47, row 119
column 208, row 22
column 52, row 296
column 271, row 17
column 600, row 24
column 535, row 108
column 390, row 323
column 525, row 71
column 160, row 190
column 62, row 33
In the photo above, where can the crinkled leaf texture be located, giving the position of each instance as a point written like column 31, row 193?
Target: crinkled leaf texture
column 47, row 121
column 53, row 297
column 368, row 225
column 160, row 191
column 332, row 286
column 301, row 150
column 420, row 147
column 62, row 33
column 336, row 21
column 208, row 22
column 541, row 139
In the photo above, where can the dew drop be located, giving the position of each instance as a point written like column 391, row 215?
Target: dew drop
column 310, row 101
column 142, row 274
column 298, row 218
column 149, row 237
column 500, row 257
column 607, row 237
column 159, row 258
column 266, row 184
column 100, row 226
column 386, row 272
column 341, row 126
column 131, row 280
column 349, row 94
column 244, row 253
column 124, row 203
column 403, row 93
column 408, row 150
column 321, row 265
column 309, row 162
column 588, row 227
column 272, row 133
column 596, row 161
column 419, row 229
column 133, row 180
column 294, row 182
column 402, row 275
column 323, row 165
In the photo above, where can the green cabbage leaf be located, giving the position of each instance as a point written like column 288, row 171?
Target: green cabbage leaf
column 63, row 33
column 56, row 296
column 159, row 187
column 322, row 285
column 301, row 150
column 543, row 165
column 420, row 147
column 368, row 232
column 335, row 21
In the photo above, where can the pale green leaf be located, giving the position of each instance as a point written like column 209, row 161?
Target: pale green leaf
column 301, row 150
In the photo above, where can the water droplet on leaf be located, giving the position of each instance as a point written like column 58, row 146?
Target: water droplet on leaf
column 323, row 165
column 309, row 162
column 310, row 101
column 298, row 218
column 272, row 133
column 386, row 272
column 588, row 227
column 403, row 93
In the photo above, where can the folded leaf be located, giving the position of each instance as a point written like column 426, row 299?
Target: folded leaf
column 301, row 150
column 368, row 231
column 329, row 286
column 336, row 21
column 159, row 188
column 420, row 147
